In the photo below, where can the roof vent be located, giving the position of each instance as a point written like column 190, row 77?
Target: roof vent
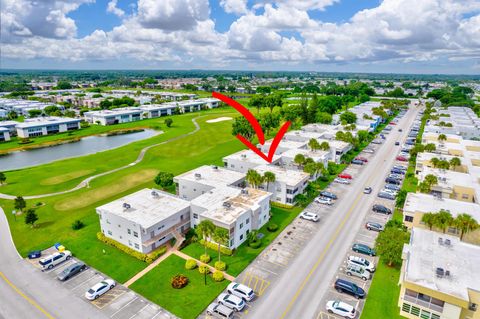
column 440, row 240
column 198, row 176
column 227, row 204
column 126, row 206
column 154, row 194
column 440, row 272
column 447, row 242
column 244, row 191
column 214, row 167
column 244, row 155
column 447, row 273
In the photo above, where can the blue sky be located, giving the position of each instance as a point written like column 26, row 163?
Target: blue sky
column 406, row 36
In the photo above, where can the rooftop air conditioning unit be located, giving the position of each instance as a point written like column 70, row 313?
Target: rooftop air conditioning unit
column 214, row 167
column 126, row 206
column 244, row 191
column 440, row 240
column 227, row 204
column 154, row 194
column 440, row 272
column 198, row 176
column 447, row 242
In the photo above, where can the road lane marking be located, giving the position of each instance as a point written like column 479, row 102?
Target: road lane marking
column 30, row 300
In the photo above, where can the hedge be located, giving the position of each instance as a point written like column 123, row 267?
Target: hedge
column 205, row 258
column 148, row 258
column 214, row 246
column 280, row 205
column 220, row 265
column 218, row 276
column 190, row 264
column 255, row 244
column 203, row 269
column 272, row 227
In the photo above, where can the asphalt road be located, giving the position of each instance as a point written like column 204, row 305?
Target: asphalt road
column 25, row 292
column 299, row 290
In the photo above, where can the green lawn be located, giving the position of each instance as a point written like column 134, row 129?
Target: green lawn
column 187, row 302
column 383, row 294
column 244, row 255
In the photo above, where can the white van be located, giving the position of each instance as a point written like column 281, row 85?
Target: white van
column 56, row 258
column 219, row 311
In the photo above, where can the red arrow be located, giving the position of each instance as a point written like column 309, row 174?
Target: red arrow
column 256, row 126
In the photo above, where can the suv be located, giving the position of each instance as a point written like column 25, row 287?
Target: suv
column 357, row 162
column 391, row 180
column 309, row 216
column 328, row 195
column 392, row 187
column 357, row 271
column 241, row 291
column 381, row 209
column 350, row 288
column 57, row 258
column 373, row 226
column 219, row 311
column 362, row 262
column 363, row 249
column 386, row 195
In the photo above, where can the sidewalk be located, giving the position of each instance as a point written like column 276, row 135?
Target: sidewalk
column 149, row 267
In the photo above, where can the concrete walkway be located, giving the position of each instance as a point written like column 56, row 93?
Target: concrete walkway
column 149, row 267
column 86, row 181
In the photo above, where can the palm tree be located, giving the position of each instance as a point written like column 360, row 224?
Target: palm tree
column 465, row 223
column 442, row 137
column 205, row 229
column 434, row 161
column 324, row 146
column 443, row 219
column 313, row 144
column 310, row 168
column 429, row 220
column 431, row 180
column 299, row 159
column 221, row 236
column 430, row 147
column 253, row 178
column 455, row 162
column 269, row 177
column 443, row 164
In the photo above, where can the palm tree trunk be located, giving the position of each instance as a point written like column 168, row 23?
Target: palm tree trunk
column 219, row 252
column 461, row 235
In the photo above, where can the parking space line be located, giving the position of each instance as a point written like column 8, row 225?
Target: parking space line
column 139, row 311
column 113, row 315
column 76, row 276
column 87, row 280
column 160, row 312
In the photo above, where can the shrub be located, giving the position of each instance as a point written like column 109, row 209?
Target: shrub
column 255, row 244
column 179, row 281
column 218, row 276
column 214, row 246
column 272, row 227
column 78, row 224
column 190, row 264
column 220, row 265
column 148, row 258
column 203, row 269
column 205, row 258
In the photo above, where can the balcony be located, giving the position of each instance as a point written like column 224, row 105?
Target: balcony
column 424, row 304
column 166, row 232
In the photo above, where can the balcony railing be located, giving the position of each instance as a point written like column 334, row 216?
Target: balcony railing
column 166, row 232
column 424, row 304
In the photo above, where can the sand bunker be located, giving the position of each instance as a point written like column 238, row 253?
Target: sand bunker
column 219, row 119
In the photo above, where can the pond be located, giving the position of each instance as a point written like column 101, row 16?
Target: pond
column 87, row 145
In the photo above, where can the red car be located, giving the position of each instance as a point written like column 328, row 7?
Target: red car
column 393, row 123
column 401, row 159
column 345, row 175
column 363, row 159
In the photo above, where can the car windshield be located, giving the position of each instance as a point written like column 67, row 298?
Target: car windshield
column 44, row 262
column 91, row 291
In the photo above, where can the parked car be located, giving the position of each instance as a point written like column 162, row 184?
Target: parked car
column 340, row 308
column 34, row 254
column 328, row 194
column 367, row 190
column 382, row 136
column 363, row 159
column 363, row 249
column 234, row 302
column 99, row 289
column 219, row 311
column 405, row 154
column 56, row 258
column 369, row 150
column 345, row 175
column 401, row 167
column 71, row 271
column 374, row 226
column 348, row 287
column 377, row 141
column 394, row 181
column 410, row 142
column 393, row 187
column 342, row 180
column 242, row 291
column 386, row 195
column 397, row 143
column 357, row 271
column 323, row 200
column 396, row 176
column 381, row 209
column 401, row 158
column 357, row 162
column 397, row 171
column 393, row 123
column 309, row 216
column 400, row 130
column 368, row 265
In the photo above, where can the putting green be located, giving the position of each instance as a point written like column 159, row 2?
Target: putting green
column 66, row 177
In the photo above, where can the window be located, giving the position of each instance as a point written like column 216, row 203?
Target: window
column 247, row 221
column 160, row 227
column 129, row 243
column 135, row 234
column 137, row 246
column 241, row 236
column 453, row 230
column 129, row 231
column 109, row 232
column 119, row 226
column 241, row 225
column 231, row 242
column 195, row 216
column 465, row 196
column 409, row 219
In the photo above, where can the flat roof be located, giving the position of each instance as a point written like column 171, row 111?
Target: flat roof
column 305, row 134
column 211, row 175
column 426, row 203
column 146, row 209
column 286, row 144
column 113, row 112
column 42, row 121
column 8, row 123
column 317, row 156
column 249, row 156
column 448, row 177
column 425, row 255
column 284, row 175
column 4, row 129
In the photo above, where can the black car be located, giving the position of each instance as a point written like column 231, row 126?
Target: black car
column 397, row 143
column 357, row 162
column 394, row 181
column 71, row 271
column 328, row 195
column 34, row 254
column 381, row 209
column 409, row 142
column 397, row 171
column 350, row 288
column 386, row 195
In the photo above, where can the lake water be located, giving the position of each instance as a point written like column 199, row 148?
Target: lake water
column 87, row 145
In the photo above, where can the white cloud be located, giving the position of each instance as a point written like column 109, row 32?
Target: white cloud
column 234, row 6
column 112, row 8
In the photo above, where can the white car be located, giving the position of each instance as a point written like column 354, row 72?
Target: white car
column 323, row 200
column 355, row 260
column 390, row 191
column 99, row 289
column 234, row 302
column 56, row 258
column 341, row 180
column 309, row 216
column 341, row 308
column 369, row 150
column 242, row 291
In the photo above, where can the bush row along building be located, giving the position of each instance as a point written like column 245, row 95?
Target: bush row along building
column 440, row 277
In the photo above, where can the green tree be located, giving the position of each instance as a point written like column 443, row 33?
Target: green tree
column 313, row 144
column 257, row 101
column 164, row 179
column 254, row 178
column 31, row 217
column 51, row 109
column 324, row 117
column 205, row 229
column 324, row 146
column 19, row 203
column 401, row 197
column 389, row 245
column 442, row 137
column 34, row 113
column 221, row 236
column 64, row 85
column 443, row 220
column 430, row 147
column 269, row 177
column 311, row 168
column 269, row 121
column 3, row 178
column 348, row 117
column 299, row 159
column 362, row 136
column 465, row 223
column 242, row 126
column 431, row 180
column 168, row 122
column 429, row 220
column 455, row 162
column 434, row 162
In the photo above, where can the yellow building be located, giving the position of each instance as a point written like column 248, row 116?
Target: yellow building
column 440, row 277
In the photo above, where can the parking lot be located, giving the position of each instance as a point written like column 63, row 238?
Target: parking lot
column 118, row 303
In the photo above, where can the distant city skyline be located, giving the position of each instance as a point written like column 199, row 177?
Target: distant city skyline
column 370, row 36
